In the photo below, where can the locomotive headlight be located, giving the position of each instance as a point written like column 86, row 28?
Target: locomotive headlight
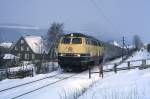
column 78, row 55
column 61, row 54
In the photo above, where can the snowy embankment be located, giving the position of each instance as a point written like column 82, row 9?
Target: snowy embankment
column 135, row 60
column 133, row 84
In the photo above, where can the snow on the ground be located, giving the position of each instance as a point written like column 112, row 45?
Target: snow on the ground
column 139, row 55
column 133, row 84
column 10, row 56
column 65, row 88
column 13, row 82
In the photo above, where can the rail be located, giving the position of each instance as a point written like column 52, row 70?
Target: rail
column 28, row 83
column 44, row 86
column 20, row 94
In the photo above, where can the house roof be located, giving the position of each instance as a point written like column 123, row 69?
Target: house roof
column 5, row 44
column 10, row 56
column 37, row 44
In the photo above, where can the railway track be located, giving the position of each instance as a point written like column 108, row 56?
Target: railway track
column 43, row 86
column 30, row 84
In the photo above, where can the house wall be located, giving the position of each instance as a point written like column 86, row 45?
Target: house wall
column 23, row 50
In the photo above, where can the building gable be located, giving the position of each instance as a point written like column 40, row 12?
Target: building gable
column 27, row 48
column 22, row 45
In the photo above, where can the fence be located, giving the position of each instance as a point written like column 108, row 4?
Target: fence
column 28, row 69
column 6, row 73
column 127, row 65
column 46, row 67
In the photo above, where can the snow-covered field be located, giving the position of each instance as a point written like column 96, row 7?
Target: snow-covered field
column 133, row 84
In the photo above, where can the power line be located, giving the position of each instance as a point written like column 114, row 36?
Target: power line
column 0, row 38
column 105, row 17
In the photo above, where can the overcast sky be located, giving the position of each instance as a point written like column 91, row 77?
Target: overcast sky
column 111, row 18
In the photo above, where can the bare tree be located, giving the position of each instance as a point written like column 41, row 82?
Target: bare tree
column 137, row 42
column 53, row 36
column 148, row 47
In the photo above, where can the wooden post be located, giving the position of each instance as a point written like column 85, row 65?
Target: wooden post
column 128, row 64
column 53, row 65
column 7, row 74
column 144, row 63
column 1, row 76
column 89, row 72
column 99, row 67
column 101, row 72
column 115, row 68
column 32, row 73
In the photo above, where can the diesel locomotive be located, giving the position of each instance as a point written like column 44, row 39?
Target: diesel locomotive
column 77, row 51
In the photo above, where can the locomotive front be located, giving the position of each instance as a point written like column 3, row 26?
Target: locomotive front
column 72, row 53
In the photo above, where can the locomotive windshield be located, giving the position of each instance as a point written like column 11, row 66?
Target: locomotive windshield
column 71, row 41
column 66, row 40
column 76, row 41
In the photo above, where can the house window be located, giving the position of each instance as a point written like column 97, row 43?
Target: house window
column 22, row 48
column 22, row 41
column 16, row 48
column 27, row 48
column 33, row 56
column 26, row 56
column 19, row 55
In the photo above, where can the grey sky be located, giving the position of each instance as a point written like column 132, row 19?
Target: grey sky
column 126, row 17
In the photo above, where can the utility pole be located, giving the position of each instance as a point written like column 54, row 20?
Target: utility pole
column 0, row 49
column 123, row 44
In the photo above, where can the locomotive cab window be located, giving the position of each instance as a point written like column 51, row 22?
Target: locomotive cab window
column 66, row 40
column 76, row 41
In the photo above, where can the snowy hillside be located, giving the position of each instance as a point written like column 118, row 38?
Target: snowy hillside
column 141, row 54
column 133, row 84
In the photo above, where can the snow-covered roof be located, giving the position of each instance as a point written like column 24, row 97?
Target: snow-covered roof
column 37, row 44
column 5, row 44
column 115, row 43
column 10, row 56
column 130, row 46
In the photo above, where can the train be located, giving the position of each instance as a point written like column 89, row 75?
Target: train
column 77, row 51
